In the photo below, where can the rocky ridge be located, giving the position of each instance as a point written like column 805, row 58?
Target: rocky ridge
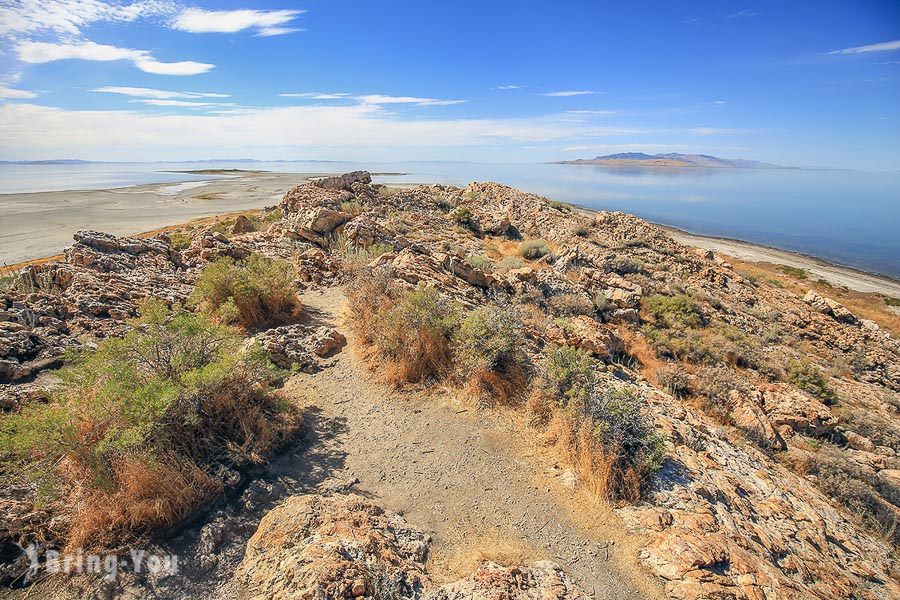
column 725, row 518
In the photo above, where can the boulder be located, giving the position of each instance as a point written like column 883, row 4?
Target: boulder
column 333, row 547
column 543, row 580
column 586, row 333
column 343, row 182
column 242, row 225
column 786, row 405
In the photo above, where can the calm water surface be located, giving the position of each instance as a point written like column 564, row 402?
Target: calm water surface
column 848, row 217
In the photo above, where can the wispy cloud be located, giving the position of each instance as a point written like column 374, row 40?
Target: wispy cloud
column 712, row 131
column 138, row 92
column 14, row 94
column 349, row 130
column 882, row 47
column 44, row 52
column 510, row 87
column 265, row 22
column 378, row 99
column 719, row 102
column 68, row 17
column 181, row 103
column 317, row 96
column 566, row 94
column 374, row 99
column 743, row 14
column 592, row 112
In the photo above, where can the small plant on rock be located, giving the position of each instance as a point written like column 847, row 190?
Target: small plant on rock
column 534, row 249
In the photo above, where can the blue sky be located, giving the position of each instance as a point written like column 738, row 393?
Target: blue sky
column 801, row 83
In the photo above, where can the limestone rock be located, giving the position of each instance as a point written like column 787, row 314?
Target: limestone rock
column 335, row 547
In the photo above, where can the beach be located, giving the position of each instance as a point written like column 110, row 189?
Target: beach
column 41, row 224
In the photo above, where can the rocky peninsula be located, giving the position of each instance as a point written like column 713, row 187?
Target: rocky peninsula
column 755, row 411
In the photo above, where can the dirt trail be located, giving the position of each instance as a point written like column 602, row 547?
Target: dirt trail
column 447, row 469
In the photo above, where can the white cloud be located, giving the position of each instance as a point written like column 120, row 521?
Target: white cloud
column 138, row 92
column 70, row 16
column 316, row 96
column 186, row 103
column 719, row 102
column 43, row 52
column 712, row 131
column 266, row 22
column 510, row 87
column 378, row 99
column 882, row 47
column 742, row 14
column 566, row 94
column 10, row 93
column 592, row 112
column 342, row 131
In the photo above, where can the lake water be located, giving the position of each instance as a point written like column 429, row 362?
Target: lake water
column 848, row 217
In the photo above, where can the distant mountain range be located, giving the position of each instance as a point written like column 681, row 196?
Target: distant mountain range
column 672, row 159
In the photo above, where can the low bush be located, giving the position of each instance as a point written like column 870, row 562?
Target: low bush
column 674, row 311
column 482, row 263
column 674, row 380
column 571, row 305
column 462, row 216
column 135, row 439
column 807, row 377
column 603, row 432
column 408, row 332
column 488, row 352
column 258, row 291
column 510, row 263
column 534, row 249
column 581, row 230
column 625, row 265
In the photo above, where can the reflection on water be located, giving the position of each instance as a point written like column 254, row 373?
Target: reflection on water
column 848, row 217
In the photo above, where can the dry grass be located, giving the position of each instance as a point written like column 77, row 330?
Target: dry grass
column 598, row 466
column 863, row 304
column 450, row 562
column 149, row 494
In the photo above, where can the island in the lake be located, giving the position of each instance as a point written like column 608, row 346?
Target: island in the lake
column 672, row 159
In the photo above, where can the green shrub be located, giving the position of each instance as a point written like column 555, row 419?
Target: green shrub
column 570, row 372
column 674, row 311
column 674, row 380
column 795, row 272
column 482, row 263
column 258, row 291
column 624, row 265
column 354, row 208
column 462, row 216
column 488, row 351
column 179, row 241
column 510, row 263
column 534, row 249
column 561, row 206
column 807, row 377
column 132, row 441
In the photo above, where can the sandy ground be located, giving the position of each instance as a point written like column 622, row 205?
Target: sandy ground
column 40, row 224
column 452, row 470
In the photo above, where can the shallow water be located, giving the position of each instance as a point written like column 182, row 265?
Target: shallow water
column 848, row 217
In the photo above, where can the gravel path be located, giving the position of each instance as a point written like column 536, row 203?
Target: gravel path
column 446, row 468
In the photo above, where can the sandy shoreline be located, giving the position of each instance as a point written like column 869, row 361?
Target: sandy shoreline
column 40, row 224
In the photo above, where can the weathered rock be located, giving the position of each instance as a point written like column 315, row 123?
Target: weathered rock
column 242, row 225
column 545, row 580
column 335, row 547
column 343, row 182
column 586, row 333
column 785, row 405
